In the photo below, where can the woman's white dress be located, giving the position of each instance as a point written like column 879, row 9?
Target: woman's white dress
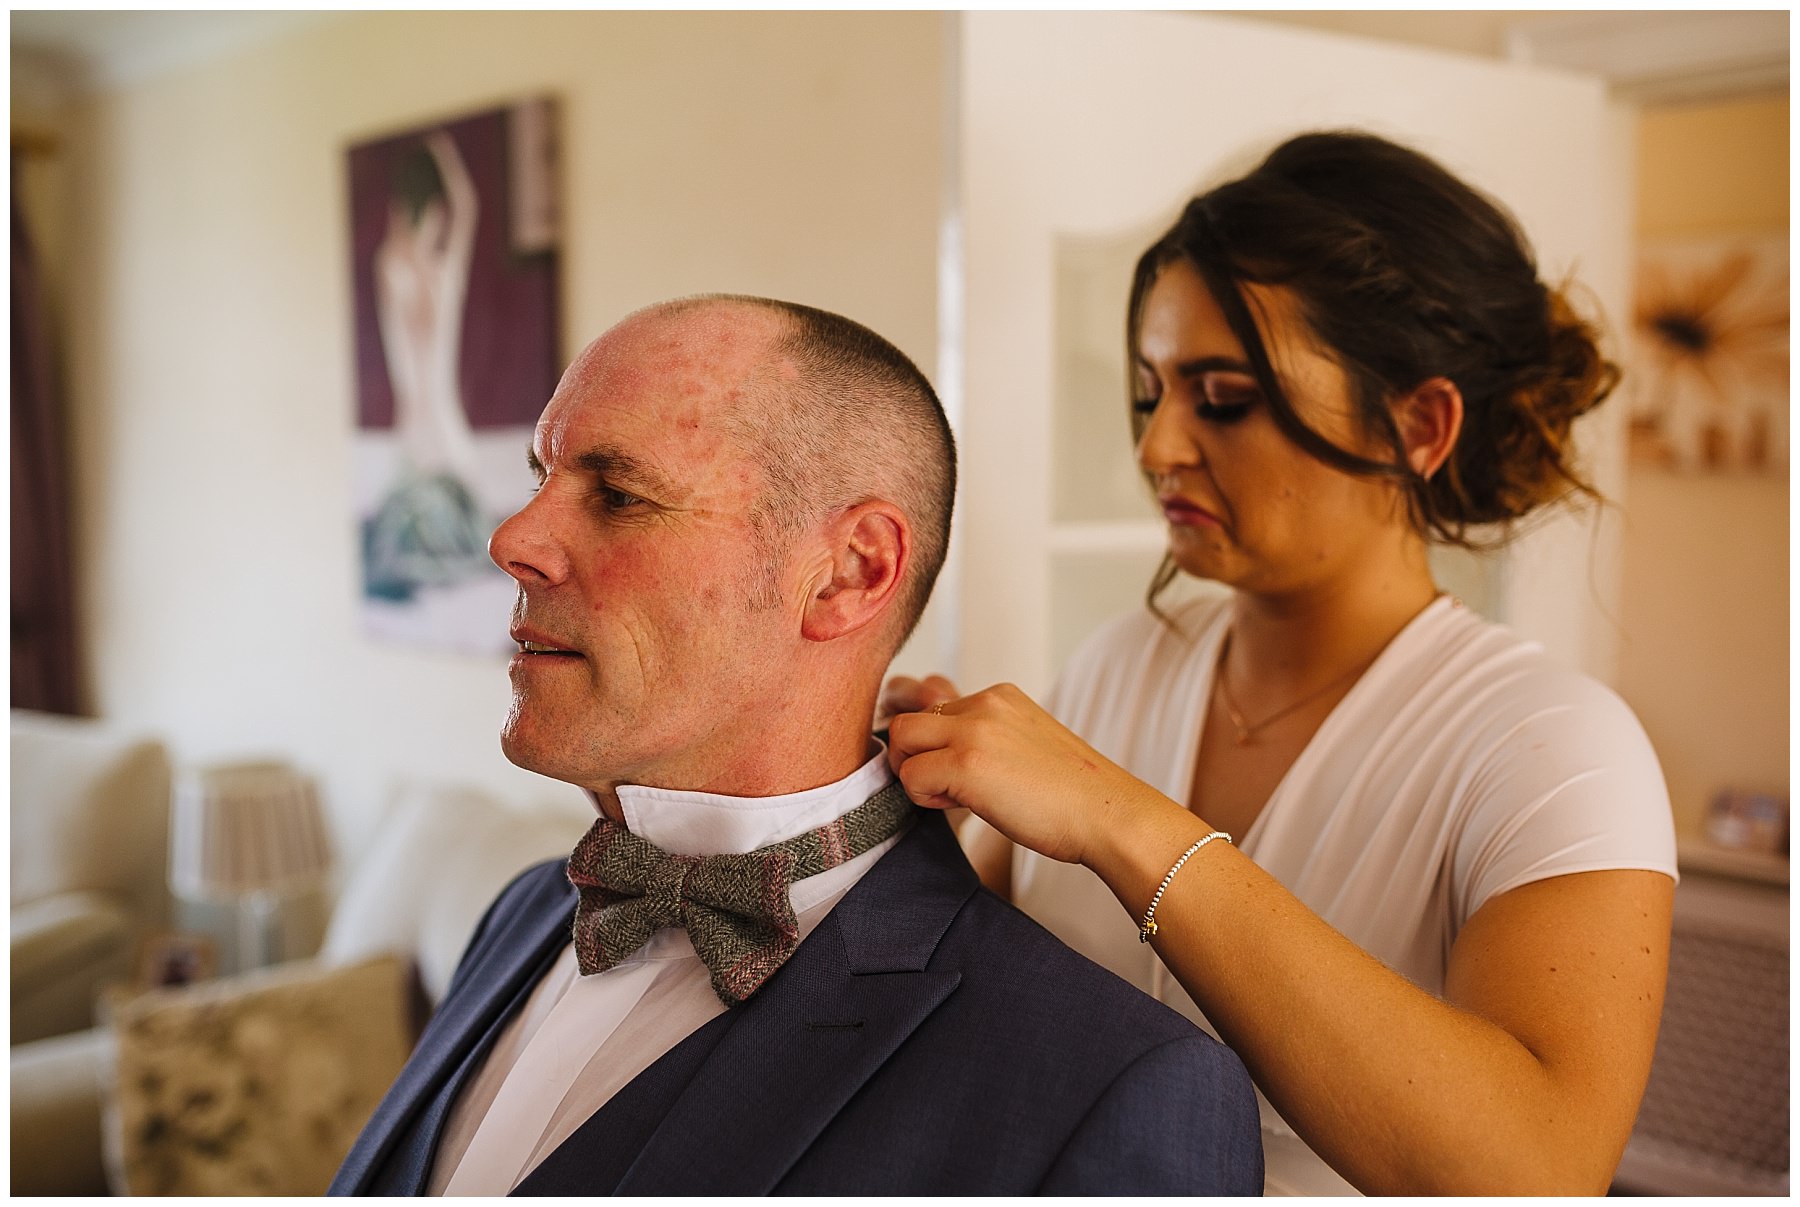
column 1462, row 764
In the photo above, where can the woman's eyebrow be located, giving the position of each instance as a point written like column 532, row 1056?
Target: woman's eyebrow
column 1203, row 364
column 1213, row 364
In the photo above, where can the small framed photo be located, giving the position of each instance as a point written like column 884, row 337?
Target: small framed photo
column 175, row 958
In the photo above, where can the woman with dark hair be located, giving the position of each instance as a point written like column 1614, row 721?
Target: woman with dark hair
column 1414, row 872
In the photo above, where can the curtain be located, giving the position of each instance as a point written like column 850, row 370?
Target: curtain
column 44, row 671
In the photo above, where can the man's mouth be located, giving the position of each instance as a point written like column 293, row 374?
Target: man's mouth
column 530, row 642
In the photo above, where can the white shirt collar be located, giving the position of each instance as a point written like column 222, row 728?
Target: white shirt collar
column 706, row 823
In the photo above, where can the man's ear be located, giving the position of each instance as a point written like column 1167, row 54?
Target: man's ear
column 1429, row 419
column 867, row 549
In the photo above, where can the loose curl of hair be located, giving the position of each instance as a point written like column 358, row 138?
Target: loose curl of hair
column 1403, row 273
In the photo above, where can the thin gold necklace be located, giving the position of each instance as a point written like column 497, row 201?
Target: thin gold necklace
column 1245, row 730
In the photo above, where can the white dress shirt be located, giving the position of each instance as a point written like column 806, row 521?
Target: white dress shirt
column 579, row 1040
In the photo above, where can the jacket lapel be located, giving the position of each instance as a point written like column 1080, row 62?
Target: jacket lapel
column 393, row 1154
column 817, row 1031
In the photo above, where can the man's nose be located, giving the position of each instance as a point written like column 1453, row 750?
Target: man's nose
column 1166, row 444
column 525, row 547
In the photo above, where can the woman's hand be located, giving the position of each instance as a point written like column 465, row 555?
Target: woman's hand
column 1002, row 757
column 903, row 694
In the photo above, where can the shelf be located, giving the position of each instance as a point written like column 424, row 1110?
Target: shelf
column 1693, row 854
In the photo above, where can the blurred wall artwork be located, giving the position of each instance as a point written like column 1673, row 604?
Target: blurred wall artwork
column 454, row 244
column 1710, row 356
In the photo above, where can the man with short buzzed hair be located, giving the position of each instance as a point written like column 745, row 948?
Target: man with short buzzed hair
column 764, row 969
column 857, row 421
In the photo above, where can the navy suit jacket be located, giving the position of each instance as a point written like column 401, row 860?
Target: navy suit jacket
column 926, row 1038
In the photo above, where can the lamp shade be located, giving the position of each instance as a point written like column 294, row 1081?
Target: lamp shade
column 242, row 828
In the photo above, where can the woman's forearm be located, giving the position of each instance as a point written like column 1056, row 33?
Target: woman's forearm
column 1398, row 1090
column 1526, row 1075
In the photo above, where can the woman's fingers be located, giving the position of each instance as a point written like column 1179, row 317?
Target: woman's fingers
column 926, row 778
column 899, row 694
column 998, row 754
column 913, row 733
column 936, row 690
column 903, row 693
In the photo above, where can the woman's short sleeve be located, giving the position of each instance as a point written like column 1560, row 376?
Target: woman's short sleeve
column 1565, row 781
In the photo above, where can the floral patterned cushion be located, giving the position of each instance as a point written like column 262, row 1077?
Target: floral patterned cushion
column 256, row 1084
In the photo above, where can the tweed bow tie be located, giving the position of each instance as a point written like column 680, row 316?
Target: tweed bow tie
column 735, row 907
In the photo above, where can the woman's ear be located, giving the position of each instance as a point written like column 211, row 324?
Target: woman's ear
column 1430, row 419
column 869, row 546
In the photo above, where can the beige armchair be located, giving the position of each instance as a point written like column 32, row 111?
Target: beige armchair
column 90, row 824
column 415, row 891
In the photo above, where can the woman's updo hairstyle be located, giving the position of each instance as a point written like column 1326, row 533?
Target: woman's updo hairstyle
column 1403, row 273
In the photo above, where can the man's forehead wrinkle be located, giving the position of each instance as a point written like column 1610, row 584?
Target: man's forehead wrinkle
column 551, row 433
column 727, row 362
column 681, row 391
column 681, row 352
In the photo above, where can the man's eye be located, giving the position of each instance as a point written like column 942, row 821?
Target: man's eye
column 617, row 500
column 1145, row 405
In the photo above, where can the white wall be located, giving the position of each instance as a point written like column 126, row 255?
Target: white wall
column 1705, row 615
column 1706, row 619
column 796, row 155
column 1092, row 126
